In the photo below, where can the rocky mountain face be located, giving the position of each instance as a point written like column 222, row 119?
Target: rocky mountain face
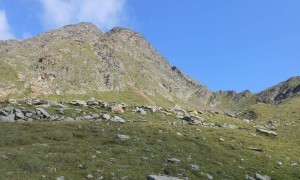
column 233, row 101
column 81, row 59
column 280, row 92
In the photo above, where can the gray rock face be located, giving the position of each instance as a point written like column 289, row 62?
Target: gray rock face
column 9, row 118
column 157, row 177
column 19, row 115
column 281, row 91
column 109, row 61
column 267, row 132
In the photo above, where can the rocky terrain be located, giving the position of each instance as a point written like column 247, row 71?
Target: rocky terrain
column 81, row 59
column 79, row 103
column 95, row 139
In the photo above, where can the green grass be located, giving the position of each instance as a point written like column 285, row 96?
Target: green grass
column 52, row 149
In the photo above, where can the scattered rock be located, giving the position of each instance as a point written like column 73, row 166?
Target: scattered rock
column 118, row 108
column 279, row 163
column 89, row 176
column 106, row 116
column 260, row 177
column 117, row 119
column 209, row 176
column 194, row 167
column 19, row 114
column 158, row 177
column 249, row 178
column 9, row 118
column 179, row 134
column 187, row 118
column 60, row 178
column 294, row 164
column 256, row 149
column 153, row 109
column 78, row 102
column 173, row 160
column 43, row 111
column 121, row 136
column 267, row 132
column 140, row 110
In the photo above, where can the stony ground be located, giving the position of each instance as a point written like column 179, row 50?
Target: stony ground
column 98, row 140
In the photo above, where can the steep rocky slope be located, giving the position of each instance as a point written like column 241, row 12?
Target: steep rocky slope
column 81, row 59
column 278, row 93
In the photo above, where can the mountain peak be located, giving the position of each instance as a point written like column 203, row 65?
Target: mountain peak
column 84, row 30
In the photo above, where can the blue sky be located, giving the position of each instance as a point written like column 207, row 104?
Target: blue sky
column 225, row 44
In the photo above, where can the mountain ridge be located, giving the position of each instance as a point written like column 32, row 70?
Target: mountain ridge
column 82, row 59
column 79, row 59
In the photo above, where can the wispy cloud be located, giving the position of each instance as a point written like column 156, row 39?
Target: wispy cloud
column 104, row 13
column 4, row 27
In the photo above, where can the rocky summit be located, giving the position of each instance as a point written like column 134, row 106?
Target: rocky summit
column 80, row 103
column 81, row 59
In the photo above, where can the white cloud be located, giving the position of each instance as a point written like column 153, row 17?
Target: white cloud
column 104, row 13
column 4, row 27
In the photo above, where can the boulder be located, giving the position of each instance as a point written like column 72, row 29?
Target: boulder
column 78, row 102
column 173, row 160
column 122, row 136
column 9, row 118
column 260, row 177
column 88, row 117
column 106, row 116
column 19, row 114
column 92, row 102
column 267, row 132
column 43, row 112
column 3, row 113
column 195, row 122
column 194, row 167
column 249, row 178
column 118, row 108
column 187, row 118
column 9, row 110
column 158, row 177
column 141, row 110
column 152, row 108
column 117, row 119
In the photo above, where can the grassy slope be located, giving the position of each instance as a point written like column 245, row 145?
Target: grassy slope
column 36, row 149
